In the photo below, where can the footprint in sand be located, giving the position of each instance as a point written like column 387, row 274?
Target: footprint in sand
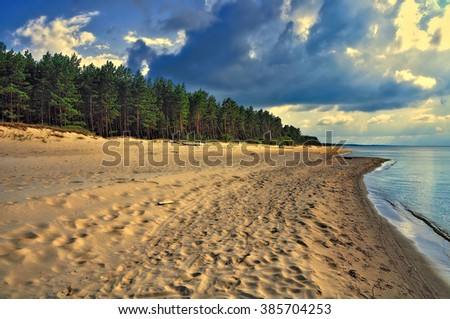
column 93, row 197
column 110, row 217
column 82, row 223
column 63, row 241
column 59, row 202
column 29, row 235
column 6, row 247
column 136, row 213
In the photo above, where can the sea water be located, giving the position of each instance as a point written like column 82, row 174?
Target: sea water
column 412, row 190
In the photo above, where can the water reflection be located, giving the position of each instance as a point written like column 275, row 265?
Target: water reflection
column 416, row 179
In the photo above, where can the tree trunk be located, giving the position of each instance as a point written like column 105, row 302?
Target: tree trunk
column 42, row 108
column 11, row 107
column 91, row 112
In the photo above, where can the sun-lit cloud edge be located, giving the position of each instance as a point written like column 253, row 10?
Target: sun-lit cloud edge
column 59, row 35
column 420, row 123
column 66, row 36
column 159, row 44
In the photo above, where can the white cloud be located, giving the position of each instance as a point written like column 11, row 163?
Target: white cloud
column 101, row 59
column 144, row 68
column 181, row 39
column 304, row 16
column 132, row 37
column 159, row 44
column 305, row 123
column 412, row 34
column 102, row 46
column 381, row 119
column 373, row 30
column 353, row 53
column 413, row 125
column 430, row 118
column 57, row 36
column 424, row 82
column 439, row 129
column 285, row 10
column 426, row 118
column 303, row 24
column 384, row 5
column 409, row 35
column 65, row 36
column 338, row 119
column 439, row 28
column 252, row 54
column 209, row 4
column 16, row 42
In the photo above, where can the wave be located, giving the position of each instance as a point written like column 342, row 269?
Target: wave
column 386, row 165
column 444, row 234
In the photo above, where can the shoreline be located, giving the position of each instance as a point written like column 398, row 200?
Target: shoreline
column 442, row 233
column 413, row 261
column 436, row 229
column 73, row 229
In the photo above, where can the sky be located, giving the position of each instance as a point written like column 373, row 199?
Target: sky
column 371, row 71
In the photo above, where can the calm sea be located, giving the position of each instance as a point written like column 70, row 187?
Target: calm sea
column 412, row 190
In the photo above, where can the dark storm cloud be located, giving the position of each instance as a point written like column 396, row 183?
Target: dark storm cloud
column 284, row 52
column 389, row 95
column 340, row 23
column 437, row 38
column 190, row 20
column 217, row 56
column 139, row 53
column 285, row 70
column 309, row 107
column 185, row 15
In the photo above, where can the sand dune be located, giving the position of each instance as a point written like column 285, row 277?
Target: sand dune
column 72, row 228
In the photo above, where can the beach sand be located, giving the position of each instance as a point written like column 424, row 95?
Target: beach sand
column 72, row 228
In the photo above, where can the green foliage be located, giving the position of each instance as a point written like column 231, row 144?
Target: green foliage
column 110, row 100
column 227, row 137
column 14, row 87
column 285, row 141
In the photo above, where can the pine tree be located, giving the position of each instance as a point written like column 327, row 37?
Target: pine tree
column 111, row 100
column 13, row 85
column 180, row 108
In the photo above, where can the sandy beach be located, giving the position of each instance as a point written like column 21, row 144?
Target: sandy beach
column 74, row 228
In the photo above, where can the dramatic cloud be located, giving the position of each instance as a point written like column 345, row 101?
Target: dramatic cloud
column 370, row 69
column 417, row 124
column 353, row 53
column 160, row 45
column 424, row 82
column 311, row 53
column 411, row 32
column 139, row 55
column 338, row 119
column 59, row 35
column 303, row 14
column 381, row 119
column 67, row 36
column 430, row 118
column 102, row 46
column 340, row 23
column 101, row 59
column 384, row 5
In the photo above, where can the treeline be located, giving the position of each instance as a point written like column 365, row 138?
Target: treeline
column 110, row 101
